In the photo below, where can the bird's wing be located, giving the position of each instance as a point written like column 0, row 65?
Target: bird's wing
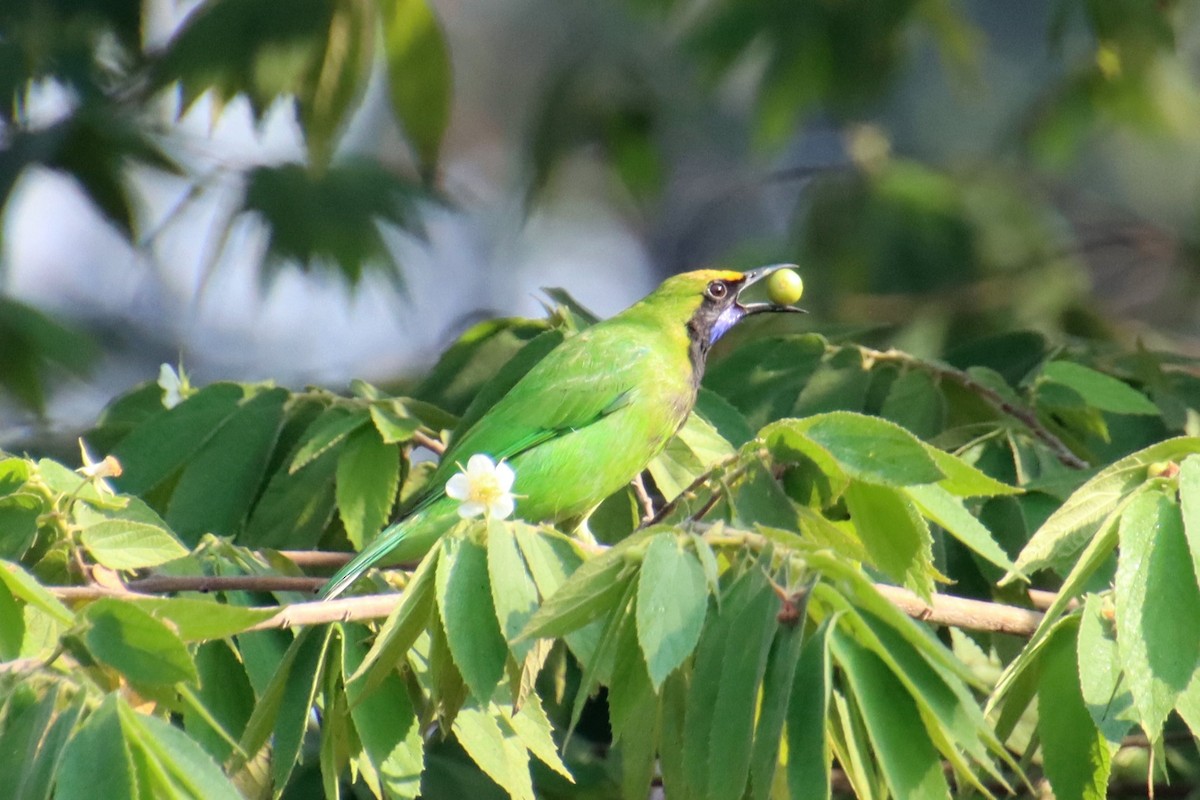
column 571, row 388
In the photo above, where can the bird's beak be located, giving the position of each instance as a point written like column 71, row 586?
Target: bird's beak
column 754, row 276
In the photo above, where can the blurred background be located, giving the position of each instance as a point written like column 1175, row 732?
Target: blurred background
column 309, row 191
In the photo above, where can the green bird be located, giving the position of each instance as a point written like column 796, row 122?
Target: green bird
column 588, row 417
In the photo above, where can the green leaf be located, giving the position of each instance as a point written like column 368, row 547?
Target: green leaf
column 694, row 450
column 514, row 592
column 588, row 594
column 809, row 759
column 1154, row 588
column 777, row 686
column 33, row 739
column 18, row 523
column 908, row 760
column 1189, row 502
column 915, row 403
column 96, row 761
column 1099, row 390
column 368, row 476
column 533, row 728
column 947, row 510
column 155, row 449
column 300, row 681
column 493, row 745
column 896, row 537
column 1076, row 521
column 393, row 422
column 12, row 625
column 225, row 699
column 419, row 77
column 334, row 84
column 123, row 544
column 201, row 620
column 385, row 722
column 24, row 587
column 672, row 601
column 465, row 604
column 963, row 479
column 403, row 625
column 867, row 448
column 181, row 765
column 1075, row 755
column 136, row 644
column 223, row 478
column 729, row 665
column 1104, row 689
column 329, row 430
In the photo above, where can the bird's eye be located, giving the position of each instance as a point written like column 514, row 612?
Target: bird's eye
column 717, row 290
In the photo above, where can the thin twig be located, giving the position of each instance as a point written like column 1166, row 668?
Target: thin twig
column 318, row 558
column 428, row 442
column 993, row 398
column 639, row 489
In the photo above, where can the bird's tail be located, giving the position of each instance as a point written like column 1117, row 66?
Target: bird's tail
column 410, row 538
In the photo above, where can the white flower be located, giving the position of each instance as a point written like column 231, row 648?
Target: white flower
column 172, row 386
column 484, row 488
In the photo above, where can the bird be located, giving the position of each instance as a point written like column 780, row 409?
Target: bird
column 588, row 417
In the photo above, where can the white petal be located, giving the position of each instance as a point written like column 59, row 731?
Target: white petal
column 458, row 487
column 502, row 507
column 504, row 477
column 471, row 509
column 479, row 465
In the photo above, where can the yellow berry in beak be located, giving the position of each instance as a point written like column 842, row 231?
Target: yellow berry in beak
column 784, row 287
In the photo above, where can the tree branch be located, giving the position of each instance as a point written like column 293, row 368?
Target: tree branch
column 993, row 398
column 959, row 612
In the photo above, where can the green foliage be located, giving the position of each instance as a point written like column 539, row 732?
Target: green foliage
column 744, row 624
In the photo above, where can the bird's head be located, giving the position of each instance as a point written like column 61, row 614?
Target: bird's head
column 710, row 299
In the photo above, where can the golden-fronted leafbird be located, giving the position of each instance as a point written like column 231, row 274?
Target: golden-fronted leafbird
column 588, row 417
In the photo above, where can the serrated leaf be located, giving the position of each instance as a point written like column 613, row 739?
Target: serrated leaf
column 533, row 728
column 385, row 722
column 197, row 620
column 223, row 477
column 156, row 448
column 402, row 626
column 965, row 480
column 368, row 476
column 867, row 448
column 123, row 544
column 393, row 424
column 777, row 687
column 495, row 747
column 588, row 594
column 948, row 511
column 896, row 537
column 18, row 523
column 1189, row 503
column 1073, row 524
column 136, row 644
column 419, row 77
column 25, row 587
column 1099, row 390
column 1101, row 682
column 181, row 764
column 330, row 429
column 96, row 761
column 514, row 593
column 1154, row 588
column 694, row 450
column 672, row 601
column 465, row 604
column 296, row 696
column 225, row 699
column 1075, row 755
column 906, row 756
column 808, row 764
column 915, row 403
